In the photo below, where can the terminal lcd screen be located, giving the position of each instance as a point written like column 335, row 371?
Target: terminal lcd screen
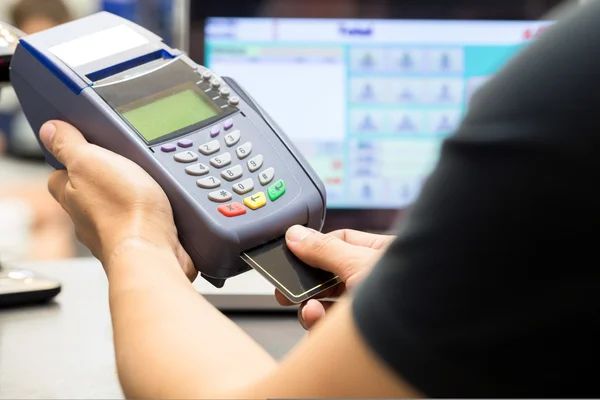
column 169, row 112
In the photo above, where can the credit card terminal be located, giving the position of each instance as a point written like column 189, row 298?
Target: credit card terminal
column 236, row 183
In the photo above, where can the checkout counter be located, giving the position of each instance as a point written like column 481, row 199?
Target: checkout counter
column 64, row 349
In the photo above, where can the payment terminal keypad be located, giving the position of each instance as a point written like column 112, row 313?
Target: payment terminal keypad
column 229, row 170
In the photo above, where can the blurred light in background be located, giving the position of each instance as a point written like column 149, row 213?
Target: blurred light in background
column 155, row 15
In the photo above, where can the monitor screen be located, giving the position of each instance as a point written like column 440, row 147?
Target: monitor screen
column 368, row 102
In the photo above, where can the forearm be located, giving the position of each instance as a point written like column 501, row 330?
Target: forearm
column 169, row 341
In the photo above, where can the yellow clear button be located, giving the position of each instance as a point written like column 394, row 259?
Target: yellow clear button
column 256, row 201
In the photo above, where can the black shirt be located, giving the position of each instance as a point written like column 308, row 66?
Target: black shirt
column 492, row 288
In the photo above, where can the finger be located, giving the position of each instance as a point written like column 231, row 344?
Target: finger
column 335, row 291
column 328, row 252
column 57, row 186
column 281, row 299
column 364, row 239
column 312, row 312
column 62, row 140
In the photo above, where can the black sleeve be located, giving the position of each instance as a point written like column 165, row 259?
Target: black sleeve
column 492, row 288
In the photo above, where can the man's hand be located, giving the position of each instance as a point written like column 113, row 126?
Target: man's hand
column 347, row 253
column 114, row 203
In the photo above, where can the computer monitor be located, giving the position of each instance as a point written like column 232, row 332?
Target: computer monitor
column 368, row 101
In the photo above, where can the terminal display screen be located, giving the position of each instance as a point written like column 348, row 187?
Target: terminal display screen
column 168, row 112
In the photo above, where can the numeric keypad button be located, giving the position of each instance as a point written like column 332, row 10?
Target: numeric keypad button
column 210, row 148
column 266, row 176
column 243, row 187
column 220, row 161
column 210, row 182
column 220, row 196
column 231, row 139
column 244, row 150
column 197, row 170
column 255, row 163
column 233, row 173
column 186, row 157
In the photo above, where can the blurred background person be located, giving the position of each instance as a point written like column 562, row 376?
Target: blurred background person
column 32, row 16
column 29, row 16
column 34, row 227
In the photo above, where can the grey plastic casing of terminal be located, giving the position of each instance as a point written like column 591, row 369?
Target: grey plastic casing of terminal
column 84, row 95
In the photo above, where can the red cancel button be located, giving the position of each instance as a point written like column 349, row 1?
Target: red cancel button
column 232, row 210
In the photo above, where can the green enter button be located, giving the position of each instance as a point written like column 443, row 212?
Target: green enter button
column 277, row 190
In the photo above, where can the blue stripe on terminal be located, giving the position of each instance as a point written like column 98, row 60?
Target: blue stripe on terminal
column 75, row 87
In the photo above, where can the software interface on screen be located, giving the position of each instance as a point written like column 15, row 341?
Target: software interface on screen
column 367, row 102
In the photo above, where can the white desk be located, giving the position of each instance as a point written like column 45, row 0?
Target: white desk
column 64, row 350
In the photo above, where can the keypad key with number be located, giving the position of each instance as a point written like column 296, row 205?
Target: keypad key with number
column 255, row 163
column 232, row 210
column 186, row 157
column 209, row 148
column 243, row 187
column 244, row 150
column 256, row 201
column 266, row 176
column 233, row 173
column 277, row 190
column 210, row 182
column 197, row 170
column 231, row 139
column 220, row 196
column 220, row 161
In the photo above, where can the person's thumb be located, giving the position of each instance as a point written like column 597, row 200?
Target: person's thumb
column 328, row 252
column 62, row 140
